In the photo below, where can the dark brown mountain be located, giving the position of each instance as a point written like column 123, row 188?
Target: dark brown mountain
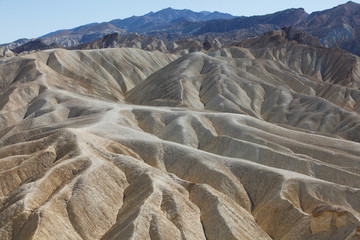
column 301, row 37
column 35, row 45
column 336, row 27
column 82, row 34
column 135, row 40
column 152, row 21
column 276, row 20
column 164, row 19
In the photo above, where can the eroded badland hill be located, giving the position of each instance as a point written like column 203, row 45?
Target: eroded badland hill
column 258, row 140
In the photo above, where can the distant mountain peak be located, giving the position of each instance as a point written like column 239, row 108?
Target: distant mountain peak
column 205, row 12
column 351, row 5
column 164, row 18
column 35, row 45
column 351, row 2
column 335, row 27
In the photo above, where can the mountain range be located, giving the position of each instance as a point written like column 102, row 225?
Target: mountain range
column 336, row 27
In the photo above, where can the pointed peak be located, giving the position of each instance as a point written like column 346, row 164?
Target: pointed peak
column 349, row 4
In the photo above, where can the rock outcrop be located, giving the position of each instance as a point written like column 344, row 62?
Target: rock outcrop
column 6, row 52
column 181, row 47
column 35, row 45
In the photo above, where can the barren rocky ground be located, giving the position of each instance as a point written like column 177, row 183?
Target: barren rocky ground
column 260, row 140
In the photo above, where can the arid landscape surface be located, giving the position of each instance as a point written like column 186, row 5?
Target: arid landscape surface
column 258, row 139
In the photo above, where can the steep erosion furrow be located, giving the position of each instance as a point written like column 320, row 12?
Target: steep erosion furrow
column 294, row 104
column 120, row 69
column 221, row 217
column 257, row 145
column 14, row 102
column 153, row 210
column 170, row 207
column 24, row 160
column 333, row 65
column 66, row 65
column 230, row 147
column 48, row 190
column 280, row 200
column 344, row 97
column 29, row 197
column 266, row 198
column 17, row 70
column 134, row 217
column 308, row 113
column 155, row 206
column 225, row 183
column 91, row 191
column 67, row 185
column 226, row 186
column 288, row 141
column 24, row 169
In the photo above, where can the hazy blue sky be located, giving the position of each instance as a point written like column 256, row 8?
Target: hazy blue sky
column 33, row 18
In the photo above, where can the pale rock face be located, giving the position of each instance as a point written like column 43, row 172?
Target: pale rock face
column 252, row 142
column 6, row 52
column 330, row 220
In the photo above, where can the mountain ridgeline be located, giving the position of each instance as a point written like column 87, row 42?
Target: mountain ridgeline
column 335, row 27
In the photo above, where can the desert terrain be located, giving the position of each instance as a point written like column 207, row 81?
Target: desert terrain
column 258, row 140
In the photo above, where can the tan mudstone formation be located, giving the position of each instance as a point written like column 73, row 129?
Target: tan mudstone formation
column 256, row 141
